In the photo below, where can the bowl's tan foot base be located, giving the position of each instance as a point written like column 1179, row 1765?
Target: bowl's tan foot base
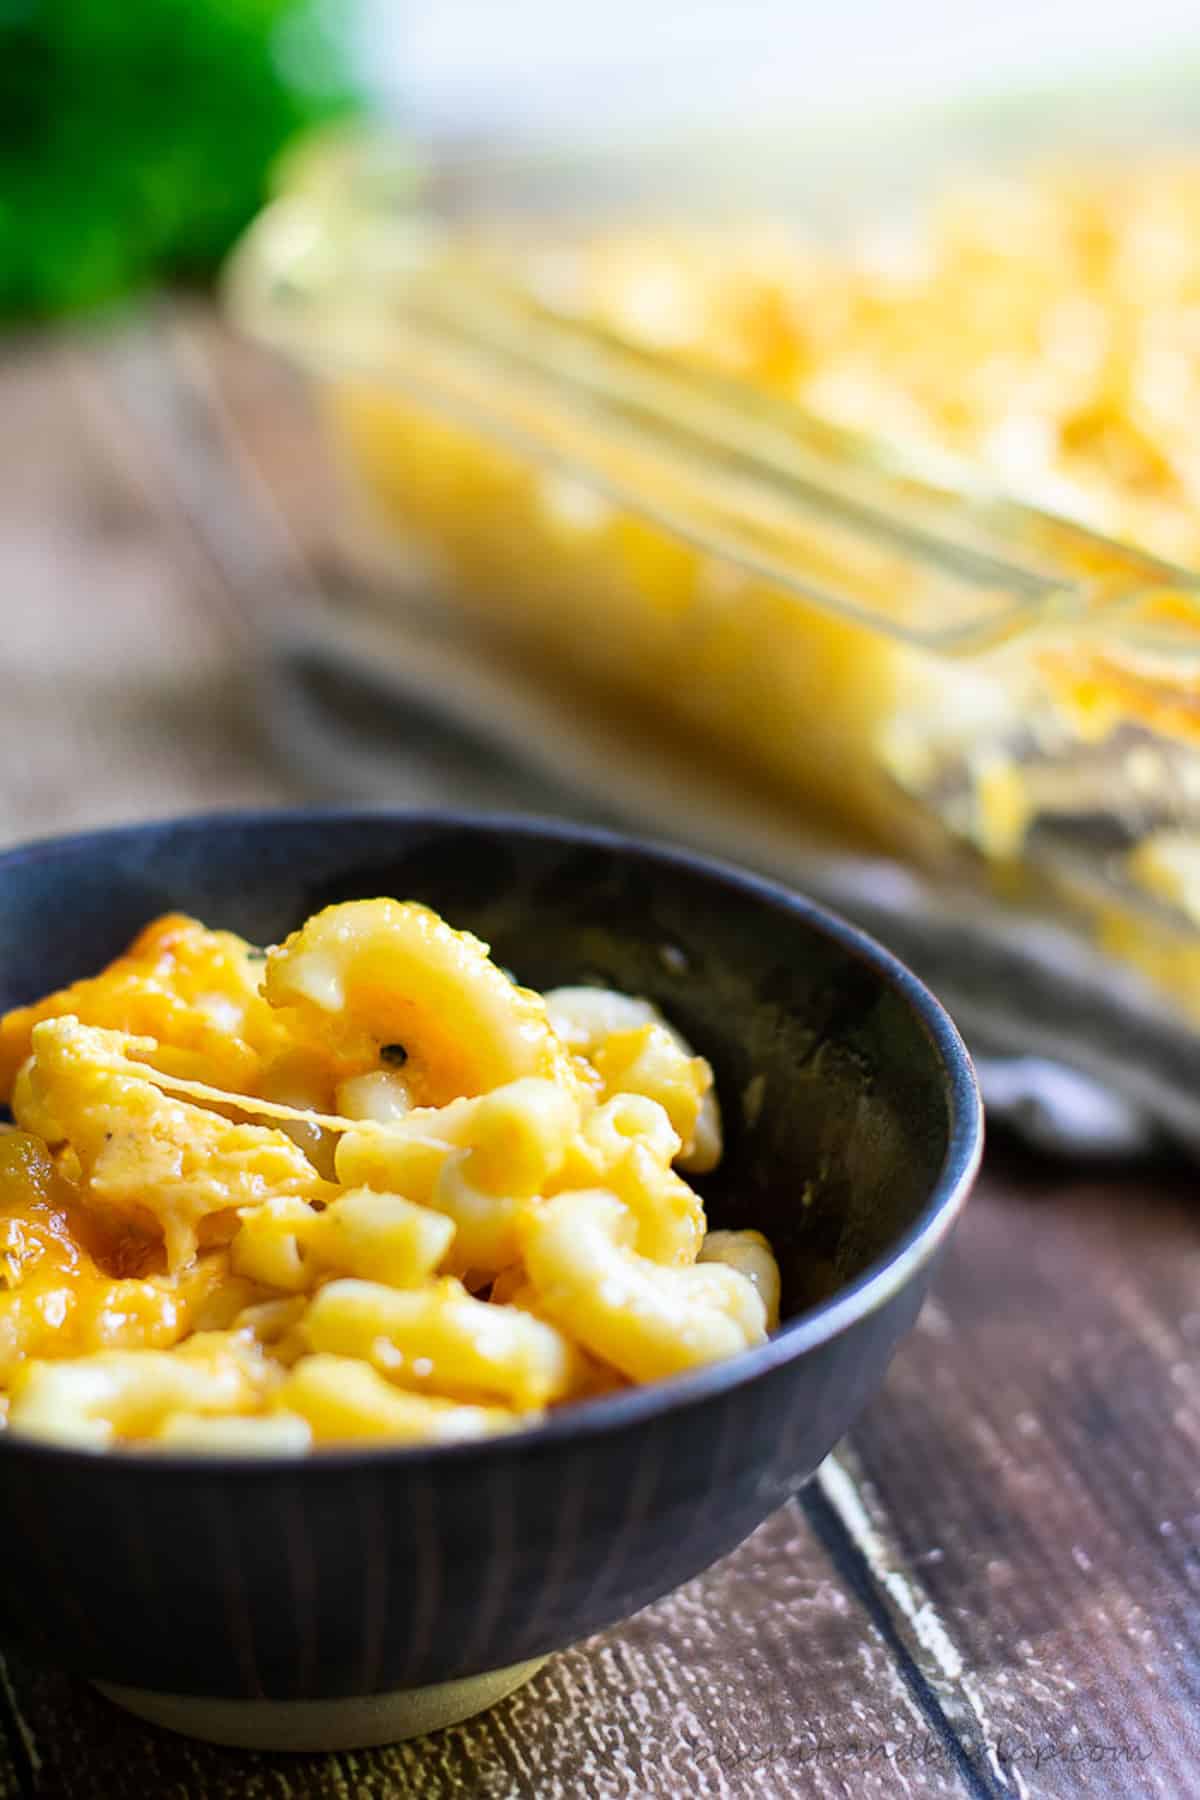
column 354, row 1724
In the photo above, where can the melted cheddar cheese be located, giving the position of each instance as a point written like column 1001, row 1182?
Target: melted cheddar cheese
column 197, row 1253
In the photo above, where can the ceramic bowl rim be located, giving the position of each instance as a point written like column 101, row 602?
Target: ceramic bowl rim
column 878, row 1283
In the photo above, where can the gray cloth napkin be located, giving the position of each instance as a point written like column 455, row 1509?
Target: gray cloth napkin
column 1075, row 1054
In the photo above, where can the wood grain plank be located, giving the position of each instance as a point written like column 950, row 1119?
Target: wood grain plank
column 223, row 512
column 760, row 1678
column 124, row 696
column 273, row 437
column 1033, row 1463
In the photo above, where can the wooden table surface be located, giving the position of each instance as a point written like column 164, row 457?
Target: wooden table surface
column 991, row 1589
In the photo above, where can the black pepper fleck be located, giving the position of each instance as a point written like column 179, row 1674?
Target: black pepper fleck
column 395, row 1054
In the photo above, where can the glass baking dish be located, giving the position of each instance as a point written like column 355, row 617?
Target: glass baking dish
column 868, row 627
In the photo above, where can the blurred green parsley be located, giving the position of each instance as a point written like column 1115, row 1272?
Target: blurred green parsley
column 136, row 136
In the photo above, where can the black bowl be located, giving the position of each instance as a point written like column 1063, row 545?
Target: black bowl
column 853, row 1133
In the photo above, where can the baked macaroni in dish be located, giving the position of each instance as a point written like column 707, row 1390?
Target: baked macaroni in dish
column 357, row 1187
column 1040, row 735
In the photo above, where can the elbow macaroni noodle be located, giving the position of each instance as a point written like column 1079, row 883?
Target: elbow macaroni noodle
column 361, row 1188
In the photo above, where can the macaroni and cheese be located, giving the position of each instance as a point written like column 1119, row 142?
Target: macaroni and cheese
column 1034, row 725
column 358, row 1187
